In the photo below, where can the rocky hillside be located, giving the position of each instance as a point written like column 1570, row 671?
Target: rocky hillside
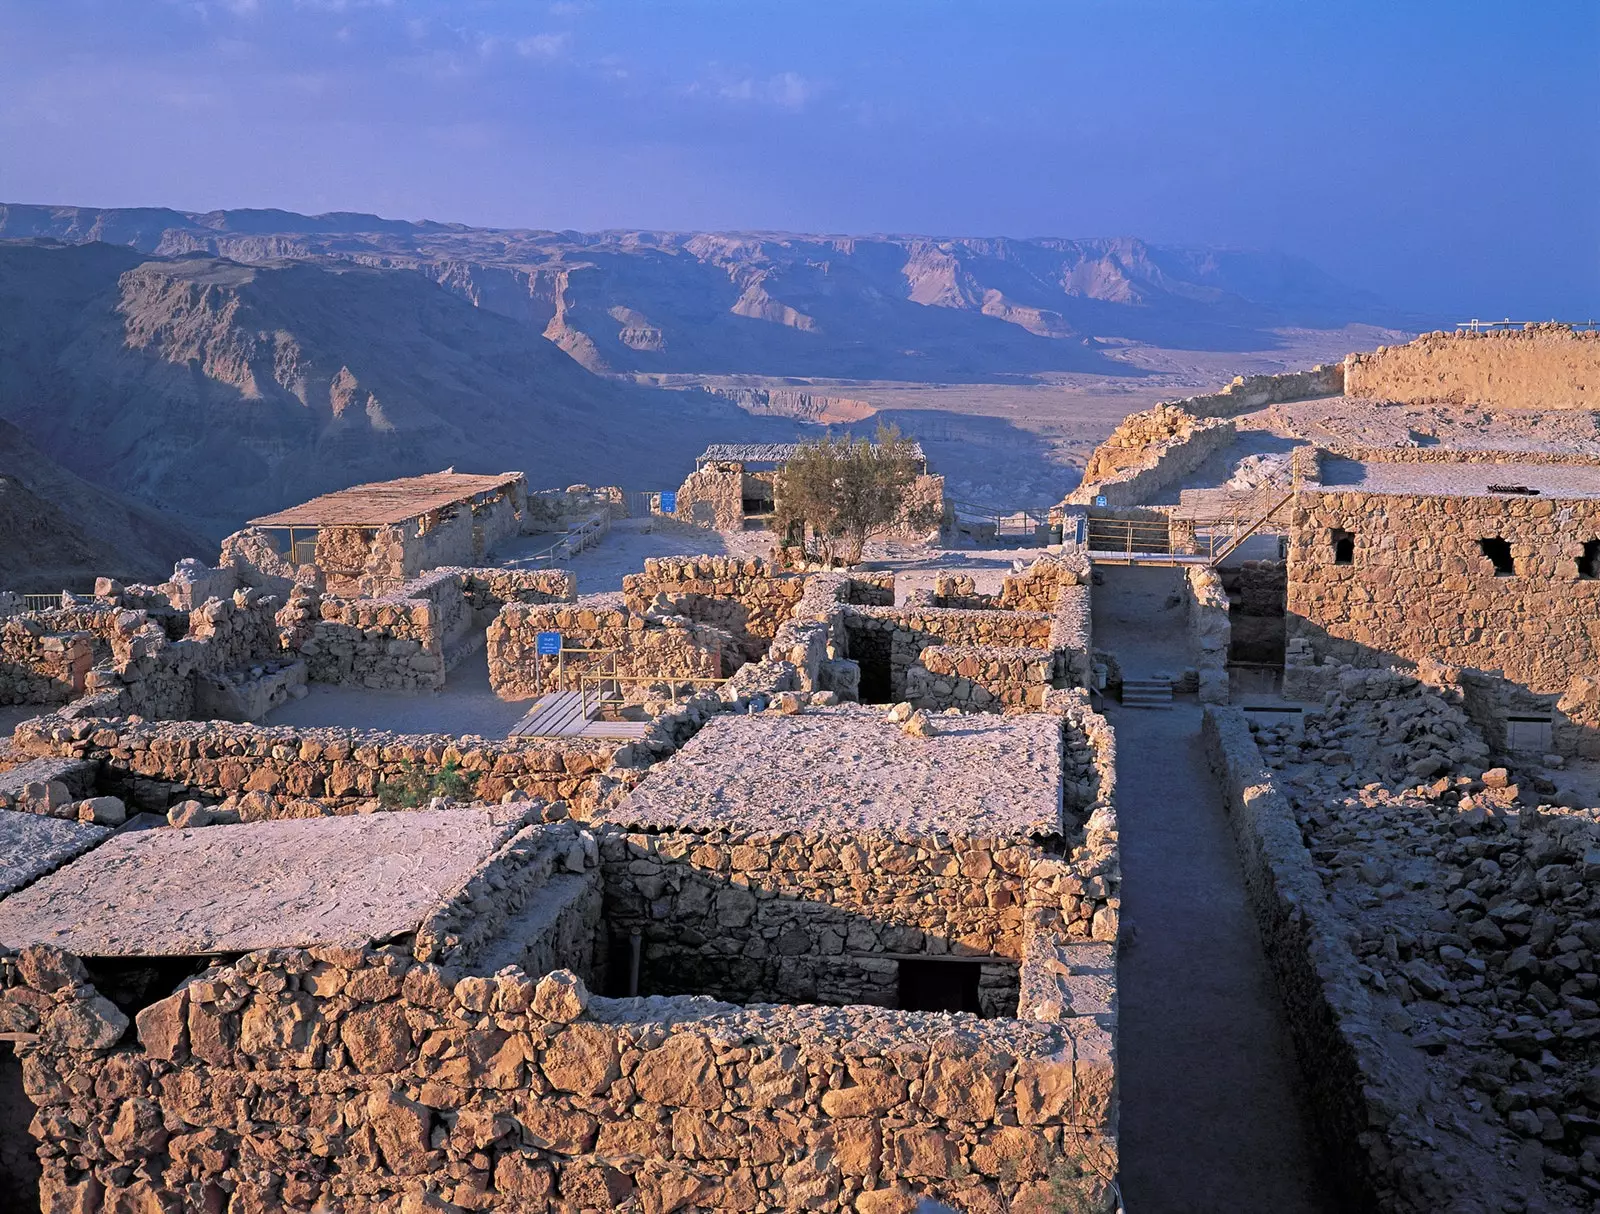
column 881, row 307
column 58, row 531
column 219, row 390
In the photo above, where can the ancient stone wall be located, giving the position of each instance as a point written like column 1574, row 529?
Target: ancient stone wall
column 891, row 638
column 1248, row 393
column 360, row 1080
column 1541, row 367
column 254, row 559
column 408, row 639
column 745, row 597
column 1148, row 455
column 713, row 496
column 979, row 678
column 1337, row 1033
column 551, row 511
column 42, row 666
column 156, row 763
column 1419, row 586
column 625, row 644
column 154, row 675
column 1210, row 631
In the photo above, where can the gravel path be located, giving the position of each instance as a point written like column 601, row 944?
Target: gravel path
column 1209, row 1120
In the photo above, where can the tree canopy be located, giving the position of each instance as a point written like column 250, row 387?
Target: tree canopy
column 834, row 494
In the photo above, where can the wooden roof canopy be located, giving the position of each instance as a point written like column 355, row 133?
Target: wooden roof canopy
column 386, row 503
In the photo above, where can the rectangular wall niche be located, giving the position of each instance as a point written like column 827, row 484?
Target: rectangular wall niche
column 1344, row 547
column 1498, row 551
column 1528, row 735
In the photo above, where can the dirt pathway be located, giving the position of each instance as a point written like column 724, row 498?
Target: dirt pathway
column 1209, row 1115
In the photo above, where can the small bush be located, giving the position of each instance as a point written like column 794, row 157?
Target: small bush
column 413, row 787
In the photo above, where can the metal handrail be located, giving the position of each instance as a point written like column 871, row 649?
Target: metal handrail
column 42, row 602
column 598, row 680
column 1477, row 326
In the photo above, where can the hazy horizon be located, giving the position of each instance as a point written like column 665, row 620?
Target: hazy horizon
column 1441, row 157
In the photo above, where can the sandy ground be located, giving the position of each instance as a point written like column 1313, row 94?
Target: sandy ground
column 467, row 705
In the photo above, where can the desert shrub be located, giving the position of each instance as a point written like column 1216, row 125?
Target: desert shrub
column 835, row 494
column 413, row 787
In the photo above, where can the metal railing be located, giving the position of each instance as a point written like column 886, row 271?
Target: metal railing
column 1184, row 541
column 1007, row 521
column 42, row 602
column 602, row 688
column 577, row 540
column 1478, row 326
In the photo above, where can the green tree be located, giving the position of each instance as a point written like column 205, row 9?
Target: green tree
column 835, row 494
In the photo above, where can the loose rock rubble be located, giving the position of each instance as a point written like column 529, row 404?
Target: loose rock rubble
column 1472, row 906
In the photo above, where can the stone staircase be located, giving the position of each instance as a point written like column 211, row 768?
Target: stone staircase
column 1147, row 693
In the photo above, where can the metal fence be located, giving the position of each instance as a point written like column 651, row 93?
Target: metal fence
column 42, row 602
column 1478, row 326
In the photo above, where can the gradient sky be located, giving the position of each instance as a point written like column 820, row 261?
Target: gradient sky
column 1445, row 155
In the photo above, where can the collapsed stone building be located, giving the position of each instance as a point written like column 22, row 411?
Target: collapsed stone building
column 837, row 926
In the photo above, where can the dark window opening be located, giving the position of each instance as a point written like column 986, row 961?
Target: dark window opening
column 758, row 505
column 1499, row 554
column 1589, row 562
column 134, row 983
column 19, row 1165
column 1344, row 547
column 937, row 985
column 870, row 650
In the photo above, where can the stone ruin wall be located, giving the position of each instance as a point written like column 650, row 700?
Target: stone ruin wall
column 361, row 1080
column 628, row 645
column 1421, row 589
column 41, row 665
column 1540, row 367
column 713, row 496
column 383, row 1080
column 996, row 653
column 744, row 596
column 1210, row 629
column 1149, row 453
column 154, row 764
column 1331, row 1018
column 551, row 511
column 893, row 638
column 979, row 678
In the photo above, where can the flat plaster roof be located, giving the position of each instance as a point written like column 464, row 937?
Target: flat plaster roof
column 847, row 769
column 764, row 453
column 230, row 889
column 1460, row 479
column 385, row 503
column 31, row 845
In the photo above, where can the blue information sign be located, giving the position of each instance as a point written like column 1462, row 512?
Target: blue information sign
column 549, row 644
column 1100, row 499
column 669, row 502
column 1082, row 530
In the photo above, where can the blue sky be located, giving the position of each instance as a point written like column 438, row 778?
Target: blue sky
column 1445, row 155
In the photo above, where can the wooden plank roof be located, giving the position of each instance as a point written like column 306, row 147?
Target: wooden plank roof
column 384, row 503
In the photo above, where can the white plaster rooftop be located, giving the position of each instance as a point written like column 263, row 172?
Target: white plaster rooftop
column 229, row 889
column 847, row 769
column 31, row 845
column 1461, row 479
